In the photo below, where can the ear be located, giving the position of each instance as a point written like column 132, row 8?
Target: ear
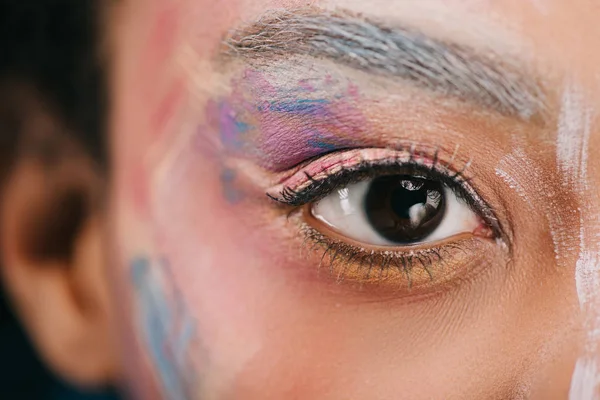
column 53, row 262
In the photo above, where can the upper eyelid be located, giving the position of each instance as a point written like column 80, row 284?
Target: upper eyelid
column 333, row 162
column 316, row 189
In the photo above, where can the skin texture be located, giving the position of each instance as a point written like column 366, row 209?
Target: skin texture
column 218, row 291
column 193, row 156
column 269, row 325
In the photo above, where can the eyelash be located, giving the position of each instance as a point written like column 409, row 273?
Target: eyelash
column 337, row 251
column 367, row 261
column 317, row 189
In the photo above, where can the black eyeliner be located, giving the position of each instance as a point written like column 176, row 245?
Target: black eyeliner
column 457, row 181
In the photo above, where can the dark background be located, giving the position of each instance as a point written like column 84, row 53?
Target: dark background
column 52, row 46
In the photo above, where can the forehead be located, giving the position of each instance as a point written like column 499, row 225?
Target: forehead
column 556, row 39
column 556, row 34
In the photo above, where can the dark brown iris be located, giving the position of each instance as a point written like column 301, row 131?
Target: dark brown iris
column 405, row 209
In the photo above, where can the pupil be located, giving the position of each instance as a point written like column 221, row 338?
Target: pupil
column 405, row 209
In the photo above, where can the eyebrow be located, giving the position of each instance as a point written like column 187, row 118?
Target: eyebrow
column 451, row 69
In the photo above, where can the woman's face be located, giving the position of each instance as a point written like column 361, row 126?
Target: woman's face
column 347, row 199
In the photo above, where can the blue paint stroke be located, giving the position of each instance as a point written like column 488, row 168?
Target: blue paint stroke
column 232, row 193
column 167, row 327
column 230, row 128
column 299, row 106
column 188, row 331
column 322, row 144
column 187, row 328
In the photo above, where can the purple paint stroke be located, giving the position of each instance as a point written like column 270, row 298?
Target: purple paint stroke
column 231, row 118
column 295, row 130
column 282, row 126
column 231, row 129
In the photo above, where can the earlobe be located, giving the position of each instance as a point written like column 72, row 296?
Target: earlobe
column 53, row 264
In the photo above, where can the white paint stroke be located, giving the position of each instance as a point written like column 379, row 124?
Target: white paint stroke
column 584, row 380
column 512, row 182
column 573, row 137
column 523, row 170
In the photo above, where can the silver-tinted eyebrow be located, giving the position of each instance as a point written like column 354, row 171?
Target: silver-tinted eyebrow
column 447, row 68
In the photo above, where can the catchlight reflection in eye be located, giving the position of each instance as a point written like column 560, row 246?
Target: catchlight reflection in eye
column 397, row 210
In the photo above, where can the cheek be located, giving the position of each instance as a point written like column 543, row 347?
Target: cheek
column 268, row 331
column 258, row 323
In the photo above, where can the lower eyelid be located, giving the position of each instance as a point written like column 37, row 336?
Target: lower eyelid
column 329, row 164
column 422, row 269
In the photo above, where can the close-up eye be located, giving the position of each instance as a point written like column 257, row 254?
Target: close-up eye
column 396, row 210
column 392, row 211
column 300, row 199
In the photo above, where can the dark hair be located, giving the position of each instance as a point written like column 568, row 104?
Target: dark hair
column 52, row 47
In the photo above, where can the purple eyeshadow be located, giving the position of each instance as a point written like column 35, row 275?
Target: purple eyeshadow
column 282, row 127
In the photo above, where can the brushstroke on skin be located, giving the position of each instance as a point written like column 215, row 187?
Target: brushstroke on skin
column 517, row 167
column 167, row 327
column 231, row 191
column 572, row 158
column 502, row 170
column 161, row 43
column 389, row 51
column 572, row 139
column 231, row 130
column 167, row 108
column 298, row 121
column 281, row 127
